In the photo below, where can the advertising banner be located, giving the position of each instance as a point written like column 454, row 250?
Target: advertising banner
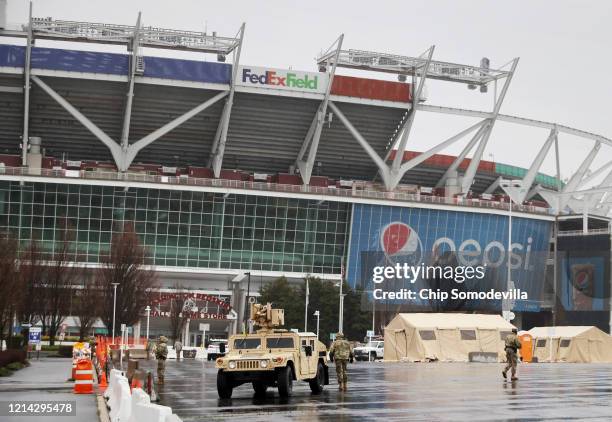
column 439, row 260
column 282, row 79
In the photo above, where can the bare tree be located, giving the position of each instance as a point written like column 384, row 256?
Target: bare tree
column 31, row 276
column 125, row 264
column 178, row 313
column 10, row 293
column 62, row 273
column 87, row 306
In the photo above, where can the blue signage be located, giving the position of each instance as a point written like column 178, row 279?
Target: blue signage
column 34, row 335
column 389, row 236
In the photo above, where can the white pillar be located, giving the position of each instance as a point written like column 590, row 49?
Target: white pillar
column 136, row 331
column 186, row 333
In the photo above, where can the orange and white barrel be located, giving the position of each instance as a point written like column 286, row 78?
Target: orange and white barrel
column 83, row 377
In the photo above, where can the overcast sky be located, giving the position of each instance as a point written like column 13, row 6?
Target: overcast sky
column 564, row 47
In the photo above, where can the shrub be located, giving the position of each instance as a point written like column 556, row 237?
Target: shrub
column 15, row 366
column 9, row 356
column 5, row 372
column 46, row 348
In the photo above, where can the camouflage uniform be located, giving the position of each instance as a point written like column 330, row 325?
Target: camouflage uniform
column 512, row 344
column 161, row 353
column 342, row 352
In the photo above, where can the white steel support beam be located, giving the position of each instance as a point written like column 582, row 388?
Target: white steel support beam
column 127, row 116
column 219, row 148
column 592, row 201
column 468, row 177
column 600, row 189
column 558, row 164
column 533, row 192
column 26, row 92
column 308, row 137
column 396, row 177
column 123, row 160
column 519, row 193
column 95, row 130
column 380, row 163
column 577, row 177
column 493, row 186
column 399, row 155
column 158, row 133
column 594, row 175
column 515, row 119
column 307, row 166
column 455, row 165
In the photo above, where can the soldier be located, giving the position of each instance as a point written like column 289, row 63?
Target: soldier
column 161, row 353
column 178, row 346
column 512, row 345
column 341, row 351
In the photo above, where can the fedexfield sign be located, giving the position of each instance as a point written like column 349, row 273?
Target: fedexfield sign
column 290, row 80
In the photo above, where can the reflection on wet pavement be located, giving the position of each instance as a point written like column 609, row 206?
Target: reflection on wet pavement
column 403, row 391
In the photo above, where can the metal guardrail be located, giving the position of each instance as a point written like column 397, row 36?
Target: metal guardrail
column 582, row 233
column 271, row 187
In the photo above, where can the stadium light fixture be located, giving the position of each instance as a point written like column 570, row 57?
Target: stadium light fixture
column 149, row 36
column 407, row 66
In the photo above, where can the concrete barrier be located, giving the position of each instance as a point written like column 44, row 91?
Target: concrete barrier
column 144, row 411
column 110, row 392
column 134, row 406
column 122, row 407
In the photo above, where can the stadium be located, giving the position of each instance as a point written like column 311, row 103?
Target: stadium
column 235, row 174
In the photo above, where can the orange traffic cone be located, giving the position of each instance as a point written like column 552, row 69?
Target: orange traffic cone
column 135, row 383
column 102, row 381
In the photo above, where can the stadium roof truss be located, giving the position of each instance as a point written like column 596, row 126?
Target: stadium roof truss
column 387, row 126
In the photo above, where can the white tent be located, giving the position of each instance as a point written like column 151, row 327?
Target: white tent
column 571, row 344
column 450, row 337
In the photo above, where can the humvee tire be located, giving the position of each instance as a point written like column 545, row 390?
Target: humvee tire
column 224, row 385
column 260, row 388
column 285, row 381
column 318, row 382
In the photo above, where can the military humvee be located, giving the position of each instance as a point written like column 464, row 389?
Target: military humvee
column 272, row 357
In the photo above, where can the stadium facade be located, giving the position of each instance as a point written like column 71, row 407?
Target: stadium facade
column 234, row 174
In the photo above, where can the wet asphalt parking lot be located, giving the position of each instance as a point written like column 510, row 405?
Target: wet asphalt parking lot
column 403, row 391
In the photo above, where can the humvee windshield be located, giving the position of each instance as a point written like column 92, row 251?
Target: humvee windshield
column 247, row 343
column 280, row 343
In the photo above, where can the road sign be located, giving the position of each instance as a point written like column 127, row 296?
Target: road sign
column 370, row 333
column 252, row 300
column 204, row 327
column 35, row 334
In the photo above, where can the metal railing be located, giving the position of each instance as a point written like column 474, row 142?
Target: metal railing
column 271, row 187
column 582, row 233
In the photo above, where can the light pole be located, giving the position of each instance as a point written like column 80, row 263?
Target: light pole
column 341, row 310
column 114, row 308
column 318, row 315
column 148, row 311
column 306, row 308
column 246, row 302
